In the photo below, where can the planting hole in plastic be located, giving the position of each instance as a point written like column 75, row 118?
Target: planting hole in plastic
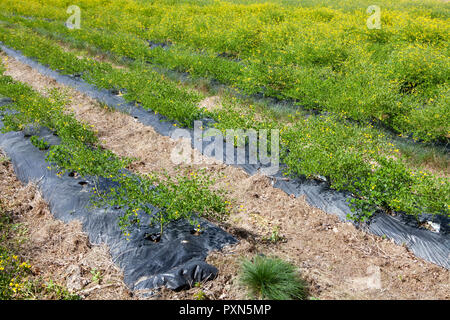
column 154, row 237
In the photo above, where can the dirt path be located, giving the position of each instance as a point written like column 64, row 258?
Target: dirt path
column 338, row 260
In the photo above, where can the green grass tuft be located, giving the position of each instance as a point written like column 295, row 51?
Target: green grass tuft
column 273, row 279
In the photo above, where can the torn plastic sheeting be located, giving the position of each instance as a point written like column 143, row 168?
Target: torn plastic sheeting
column 432, row 246
column 177, row 261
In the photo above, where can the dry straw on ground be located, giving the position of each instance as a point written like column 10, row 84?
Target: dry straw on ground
column 58, row 251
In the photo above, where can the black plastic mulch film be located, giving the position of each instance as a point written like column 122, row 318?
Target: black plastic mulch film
column 178, row 261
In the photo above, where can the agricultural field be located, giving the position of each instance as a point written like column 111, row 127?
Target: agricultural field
column 355, row 93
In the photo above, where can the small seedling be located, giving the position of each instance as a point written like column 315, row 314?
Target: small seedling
column 201, row 295
column 96, row 275
column 275, row 236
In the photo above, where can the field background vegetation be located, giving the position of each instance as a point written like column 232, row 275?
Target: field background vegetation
column 363, row 86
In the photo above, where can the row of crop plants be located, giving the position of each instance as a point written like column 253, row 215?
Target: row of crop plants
column 353, row 157
column 321, row 58
column 186, row 195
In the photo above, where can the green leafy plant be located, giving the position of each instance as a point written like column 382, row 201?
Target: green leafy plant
column 200, row 295
column 13, row 275
column 3, row 159
column 183, row 196
column 275, row 236
column 39, row 143
column 360, row 160
column 96, row 275
column 58, row 292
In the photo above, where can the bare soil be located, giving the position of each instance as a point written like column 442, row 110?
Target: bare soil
column 338, row 260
